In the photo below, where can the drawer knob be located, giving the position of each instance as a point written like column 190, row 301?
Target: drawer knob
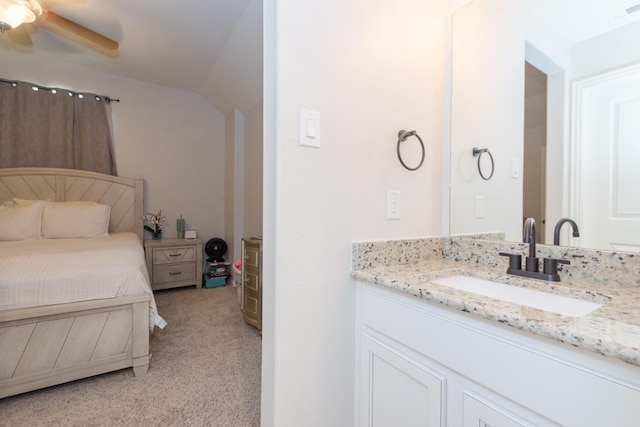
column 175, row 273
column 174, row 254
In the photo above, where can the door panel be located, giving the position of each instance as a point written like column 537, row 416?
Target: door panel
column 608, row 138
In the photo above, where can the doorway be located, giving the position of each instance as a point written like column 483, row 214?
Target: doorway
column 535, row 149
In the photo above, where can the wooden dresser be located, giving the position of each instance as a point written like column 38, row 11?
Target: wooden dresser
column 174, row 262
column 252, row 281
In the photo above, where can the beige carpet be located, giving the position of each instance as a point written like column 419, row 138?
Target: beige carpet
column 205, row 371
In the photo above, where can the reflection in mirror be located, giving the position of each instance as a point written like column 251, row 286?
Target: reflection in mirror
column 535, row 146
column 564, row 141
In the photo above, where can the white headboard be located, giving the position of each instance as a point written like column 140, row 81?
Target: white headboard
column 125, row 196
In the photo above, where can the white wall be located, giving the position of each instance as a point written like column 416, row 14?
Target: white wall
column 253, row 172
column 173, row 138
column 486, row 74
column 484, row 117
column 605, row 52
column 370, row 68
column 243, row 178
column 234, row 183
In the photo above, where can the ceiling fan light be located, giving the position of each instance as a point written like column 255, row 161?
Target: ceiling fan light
column 13, row 14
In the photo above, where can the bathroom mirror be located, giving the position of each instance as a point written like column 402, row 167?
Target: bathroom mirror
column 526, row 78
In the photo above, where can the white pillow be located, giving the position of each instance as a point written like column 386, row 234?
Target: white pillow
column 25, row 202
column 21, row 222
column 67, row 220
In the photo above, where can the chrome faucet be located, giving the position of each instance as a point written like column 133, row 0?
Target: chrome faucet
column 556, row 232
column 529, row 236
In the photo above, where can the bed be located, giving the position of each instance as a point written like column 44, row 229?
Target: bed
column 58, row 331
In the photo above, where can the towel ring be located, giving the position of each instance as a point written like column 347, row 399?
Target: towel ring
column 478, row 152
column 402, row 136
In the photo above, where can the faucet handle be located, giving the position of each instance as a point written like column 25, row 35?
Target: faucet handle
column 515, row 260
column 550, row 265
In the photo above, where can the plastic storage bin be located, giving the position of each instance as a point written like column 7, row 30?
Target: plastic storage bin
column 214, row 282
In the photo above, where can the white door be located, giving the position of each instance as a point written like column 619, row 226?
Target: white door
column 607, row 145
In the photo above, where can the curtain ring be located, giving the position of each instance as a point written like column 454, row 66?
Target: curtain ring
column 478, row 152
column 402, row 136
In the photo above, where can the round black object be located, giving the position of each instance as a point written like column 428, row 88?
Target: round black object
column 216, row 248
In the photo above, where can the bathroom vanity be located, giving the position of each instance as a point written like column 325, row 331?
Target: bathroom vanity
column 429, row 354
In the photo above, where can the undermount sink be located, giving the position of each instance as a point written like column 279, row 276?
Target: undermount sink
column 558, row 304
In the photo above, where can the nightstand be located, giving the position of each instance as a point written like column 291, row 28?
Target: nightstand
column 174, row 262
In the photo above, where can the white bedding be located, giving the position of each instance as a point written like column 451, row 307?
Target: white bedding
column 56, row 271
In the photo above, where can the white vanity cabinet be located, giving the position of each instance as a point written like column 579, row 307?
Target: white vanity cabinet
column 419, row 364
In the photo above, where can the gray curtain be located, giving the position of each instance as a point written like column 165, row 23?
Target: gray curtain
column 50, row 128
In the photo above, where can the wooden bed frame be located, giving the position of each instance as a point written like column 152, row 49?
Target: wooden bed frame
column 54, row 344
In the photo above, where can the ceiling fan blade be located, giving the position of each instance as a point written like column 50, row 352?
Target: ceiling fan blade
column 76, row 29
column 20, row 35
column 48, row 4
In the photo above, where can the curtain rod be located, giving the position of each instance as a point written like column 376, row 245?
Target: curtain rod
column 36, row 87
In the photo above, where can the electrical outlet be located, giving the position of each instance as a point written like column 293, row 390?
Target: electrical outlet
column 393, row 204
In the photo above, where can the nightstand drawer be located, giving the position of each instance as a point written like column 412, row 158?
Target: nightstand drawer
column 174, row 254
column 173, row 273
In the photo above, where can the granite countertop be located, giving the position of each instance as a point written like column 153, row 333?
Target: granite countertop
column 612, row 330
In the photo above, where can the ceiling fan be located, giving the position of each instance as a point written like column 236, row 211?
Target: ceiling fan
column 15, row 13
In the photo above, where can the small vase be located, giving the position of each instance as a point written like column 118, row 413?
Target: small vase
column 180, row 227
column 157, row 236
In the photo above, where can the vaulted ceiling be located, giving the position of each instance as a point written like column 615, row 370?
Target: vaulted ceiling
column 214, row 47
column 211, row 47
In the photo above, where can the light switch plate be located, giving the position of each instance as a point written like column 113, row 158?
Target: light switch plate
column 309, row 128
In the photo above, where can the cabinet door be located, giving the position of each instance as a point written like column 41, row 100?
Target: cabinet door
column 396, row 390
column 478, row 413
